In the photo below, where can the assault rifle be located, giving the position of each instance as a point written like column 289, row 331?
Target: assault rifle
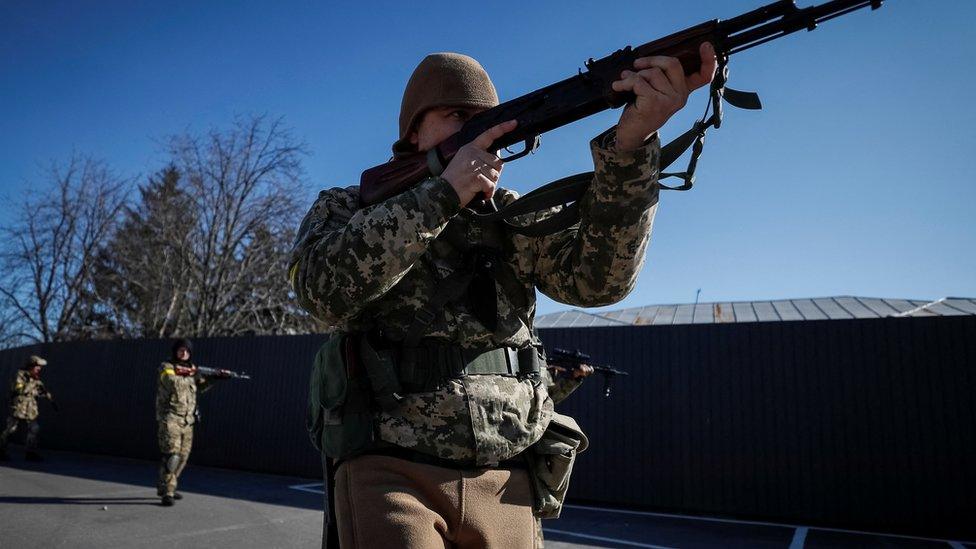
column 570, row 360
column 216, row 372
column 590, row 92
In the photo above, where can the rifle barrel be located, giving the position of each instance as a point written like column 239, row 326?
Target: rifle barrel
column 750, row 30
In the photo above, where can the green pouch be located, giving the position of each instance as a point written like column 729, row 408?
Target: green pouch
column 339, row 417
column 551, row 464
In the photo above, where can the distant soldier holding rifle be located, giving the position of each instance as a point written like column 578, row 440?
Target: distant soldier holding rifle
column 24, row 390
column 568, row 368
column 176, row 411
column 562, row 379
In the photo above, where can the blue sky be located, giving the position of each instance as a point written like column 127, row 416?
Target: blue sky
column 856, row 179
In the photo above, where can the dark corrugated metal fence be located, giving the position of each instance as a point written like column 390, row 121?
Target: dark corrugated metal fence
column 865, row 424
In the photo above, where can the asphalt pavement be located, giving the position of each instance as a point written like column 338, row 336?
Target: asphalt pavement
column 81, row 500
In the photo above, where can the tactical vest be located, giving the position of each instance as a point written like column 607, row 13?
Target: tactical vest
column 355, row 374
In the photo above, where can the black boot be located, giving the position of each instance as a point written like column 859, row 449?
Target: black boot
column 177, row 495
column 167, row 501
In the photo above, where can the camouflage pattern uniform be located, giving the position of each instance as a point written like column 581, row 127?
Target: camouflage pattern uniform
column 176, row 406
column 375, row 268
column 25, row 389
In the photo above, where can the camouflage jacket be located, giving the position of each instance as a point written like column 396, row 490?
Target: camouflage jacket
column 25, row 389
column 176, row 395
column 377, row 267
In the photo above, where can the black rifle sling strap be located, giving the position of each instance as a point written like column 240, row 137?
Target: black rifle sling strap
column 566, row 192
column 450, row 288
column 330, row 528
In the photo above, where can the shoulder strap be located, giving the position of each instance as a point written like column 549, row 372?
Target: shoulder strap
column 566, row 192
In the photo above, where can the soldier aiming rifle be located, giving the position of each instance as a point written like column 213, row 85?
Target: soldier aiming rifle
column 180, row 381
column 427, row 400
column 562, row 362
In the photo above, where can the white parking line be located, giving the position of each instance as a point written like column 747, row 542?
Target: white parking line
column 799, row 535
column 601, row 538
column 315, row 488
column 754, row 523
column 799, row 538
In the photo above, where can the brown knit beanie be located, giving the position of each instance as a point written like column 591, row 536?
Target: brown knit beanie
column 442, row 80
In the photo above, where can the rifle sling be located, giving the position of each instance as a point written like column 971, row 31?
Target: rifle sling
column 566, row 192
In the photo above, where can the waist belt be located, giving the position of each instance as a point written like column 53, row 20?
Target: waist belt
column 427, row 366
column 426, row 459
column 395, row 369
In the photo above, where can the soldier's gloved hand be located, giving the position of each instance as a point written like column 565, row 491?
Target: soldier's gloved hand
column 661, row 89
column 473, row 169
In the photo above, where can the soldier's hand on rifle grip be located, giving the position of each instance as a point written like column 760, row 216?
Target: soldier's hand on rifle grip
column 661, row 89
column 474, row 169
column 582, row 371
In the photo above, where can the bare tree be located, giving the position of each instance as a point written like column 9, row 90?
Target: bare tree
column 204, row 249
column 142, row 274
column 8, row 329
column 201, row 251
column 245, row 182
column 47, row 254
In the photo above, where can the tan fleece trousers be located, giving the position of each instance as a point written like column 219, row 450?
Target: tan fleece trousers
column 384, row 502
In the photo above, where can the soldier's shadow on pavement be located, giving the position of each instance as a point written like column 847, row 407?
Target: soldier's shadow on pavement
column 79, row 501
column 196, row 480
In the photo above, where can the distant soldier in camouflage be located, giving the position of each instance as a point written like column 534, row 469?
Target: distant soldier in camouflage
column 450, row 303
column 560, row 383
column 24, row 390
column 176, row 409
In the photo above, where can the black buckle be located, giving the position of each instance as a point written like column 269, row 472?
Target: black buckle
column 423, row 317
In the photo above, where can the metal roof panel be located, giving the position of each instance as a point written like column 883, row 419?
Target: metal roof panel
column 841, row 307
column 744, row 311
column 786, row 310
column 646, row 315
column 722, row 312
column 665, row 314
column 703, row 314
column 965, row 305
column 765, row 311
column 809, row 309
column 831, row 308
column 878, row 306
column 855, row 307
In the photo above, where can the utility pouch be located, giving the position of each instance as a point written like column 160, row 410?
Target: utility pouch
column 339, row 417
column 551, row 464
